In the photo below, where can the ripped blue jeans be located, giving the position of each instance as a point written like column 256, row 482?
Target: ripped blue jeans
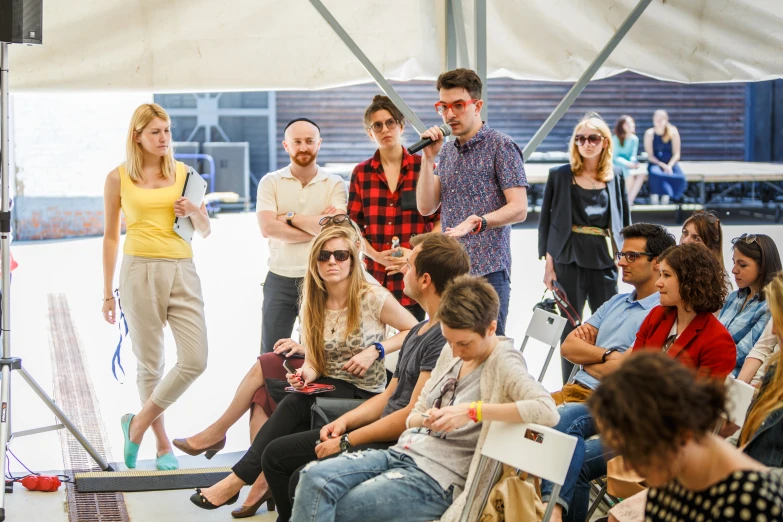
column 368, row 485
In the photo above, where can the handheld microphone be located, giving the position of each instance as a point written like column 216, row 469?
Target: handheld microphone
column 416, row 147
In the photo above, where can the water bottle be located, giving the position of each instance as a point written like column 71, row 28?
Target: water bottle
column 396, row 249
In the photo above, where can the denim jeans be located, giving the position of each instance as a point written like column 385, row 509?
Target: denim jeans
column 587, row 464
column 501, row 282
column 368, row 485
column 672, row 185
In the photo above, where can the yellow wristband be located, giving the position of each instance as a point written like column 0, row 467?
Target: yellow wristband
column 478, row 410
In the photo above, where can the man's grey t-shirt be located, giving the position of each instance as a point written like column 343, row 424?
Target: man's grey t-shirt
column 419, row 353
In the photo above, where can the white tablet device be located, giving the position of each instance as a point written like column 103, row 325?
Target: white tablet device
column 195, row 189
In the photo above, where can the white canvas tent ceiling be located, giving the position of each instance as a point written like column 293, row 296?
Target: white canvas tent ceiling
column 205, row 45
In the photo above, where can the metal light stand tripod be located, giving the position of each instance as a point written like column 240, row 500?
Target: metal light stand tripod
column 8, row 363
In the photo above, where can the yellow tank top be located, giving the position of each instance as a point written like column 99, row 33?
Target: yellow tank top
column 149, row 218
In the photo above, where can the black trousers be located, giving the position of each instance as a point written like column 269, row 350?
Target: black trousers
column 584, row 285
column 280, row 308
column 285, row 457
column 291, row 416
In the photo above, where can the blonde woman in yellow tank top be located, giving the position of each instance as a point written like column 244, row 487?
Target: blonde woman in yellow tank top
column 158, row 280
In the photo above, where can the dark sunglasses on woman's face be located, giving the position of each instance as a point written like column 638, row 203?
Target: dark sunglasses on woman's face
column 336, row 219
column 593, row 139
column 339, row 255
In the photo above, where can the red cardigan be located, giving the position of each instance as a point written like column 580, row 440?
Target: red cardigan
column 705, row 344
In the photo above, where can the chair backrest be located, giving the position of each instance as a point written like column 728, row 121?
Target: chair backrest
column 739, row 396
column 545, row 327
column 547, row 457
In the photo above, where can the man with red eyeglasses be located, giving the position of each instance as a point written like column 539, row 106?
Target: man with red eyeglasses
column 480, row 184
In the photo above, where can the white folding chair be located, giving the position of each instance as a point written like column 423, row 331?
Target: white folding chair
column 546, row 457
column 544, row 327
column 739, row 395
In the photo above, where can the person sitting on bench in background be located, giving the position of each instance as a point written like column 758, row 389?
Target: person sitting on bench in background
column 479, row 376
column 435, row 260
column 344, row 321
column 662, row 144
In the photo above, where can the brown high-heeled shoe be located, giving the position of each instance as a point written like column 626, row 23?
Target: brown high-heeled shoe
column 182, row 445
column 249, row 511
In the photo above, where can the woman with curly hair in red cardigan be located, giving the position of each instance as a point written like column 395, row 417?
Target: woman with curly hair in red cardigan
column 683, row 327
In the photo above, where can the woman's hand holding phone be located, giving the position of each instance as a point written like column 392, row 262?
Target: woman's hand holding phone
column 295, row 379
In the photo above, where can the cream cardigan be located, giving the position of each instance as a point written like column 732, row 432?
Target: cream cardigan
column 503, row 379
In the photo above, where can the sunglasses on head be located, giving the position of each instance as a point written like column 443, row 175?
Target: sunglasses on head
column 745, row 238
column 710, row 215
column 593, row 139
column 339, row 255
column 336, row 219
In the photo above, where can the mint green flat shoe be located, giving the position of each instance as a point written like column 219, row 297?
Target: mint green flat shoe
column 167, row 462
column 131, row 448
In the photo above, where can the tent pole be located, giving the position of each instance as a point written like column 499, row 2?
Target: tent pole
column 463, row 58
column 583, row 80
column 368, row 65
column 480, row 25
column 451, row 37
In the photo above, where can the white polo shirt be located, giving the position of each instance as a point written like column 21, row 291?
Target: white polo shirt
column 281, row 193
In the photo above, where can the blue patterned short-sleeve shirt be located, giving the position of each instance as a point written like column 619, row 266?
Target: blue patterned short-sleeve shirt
column 473, row 177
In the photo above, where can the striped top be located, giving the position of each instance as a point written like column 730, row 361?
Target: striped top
column 149, row 218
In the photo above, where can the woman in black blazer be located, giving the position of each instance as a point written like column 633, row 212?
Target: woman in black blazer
column 585, row 207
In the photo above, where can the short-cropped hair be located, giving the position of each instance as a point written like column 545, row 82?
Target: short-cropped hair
column 461, row 79
column 442, row 257
column 700, row 275
column 657, row 236
column 469, row 303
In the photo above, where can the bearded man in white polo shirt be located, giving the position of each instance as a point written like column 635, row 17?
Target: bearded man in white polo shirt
column 291, row 202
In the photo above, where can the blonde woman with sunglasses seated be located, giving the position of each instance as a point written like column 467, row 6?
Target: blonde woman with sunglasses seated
column 478, row 377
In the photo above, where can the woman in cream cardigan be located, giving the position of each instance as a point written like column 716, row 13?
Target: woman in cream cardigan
column 478, row 377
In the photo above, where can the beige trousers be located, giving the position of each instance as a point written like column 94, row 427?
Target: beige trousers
column 154, row 292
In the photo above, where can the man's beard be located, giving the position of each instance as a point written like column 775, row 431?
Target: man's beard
column 303, row 160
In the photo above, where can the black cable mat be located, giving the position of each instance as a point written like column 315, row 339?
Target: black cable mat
column 148, row 480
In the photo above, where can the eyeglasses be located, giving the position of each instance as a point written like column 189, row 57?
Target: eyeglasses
column 339, row 255
column 746, row 238
column 458, row 107
column 631, row 256
column 710, row 215
column 593, row 139
column 449, row 386
column 336, row 219
column 378, row 125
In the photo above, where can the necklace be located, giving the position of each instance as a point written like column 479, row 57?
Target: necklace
column 334, row 326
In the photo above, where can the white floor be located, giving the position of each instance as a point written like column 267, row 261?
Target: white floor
column 232, row 264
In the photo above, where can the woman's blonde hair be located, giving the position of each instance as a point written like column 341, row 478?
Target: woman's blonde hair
column 605, row 168
column 668, row 130
column 314, row 296
column 771, row 397
column 134, row 160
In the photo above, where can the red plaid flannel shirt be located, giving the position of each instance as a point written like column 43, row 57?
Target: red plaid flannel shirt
column 378, row 212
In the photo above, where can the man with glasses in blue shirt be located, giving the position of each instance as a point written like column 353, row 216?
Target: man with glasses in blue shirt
column 598, row 345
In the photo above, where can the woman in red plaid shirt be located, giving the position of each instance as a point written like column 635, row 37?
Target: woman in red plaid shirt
column 382, row 199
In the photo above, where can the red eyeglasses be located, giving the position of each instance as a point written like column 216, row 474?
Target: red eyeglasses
column 458, row 107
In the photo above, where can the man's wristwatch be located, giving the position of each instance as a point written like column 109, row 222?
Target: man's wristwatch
column 289, row 217
column 607, row 352
column 345, row 444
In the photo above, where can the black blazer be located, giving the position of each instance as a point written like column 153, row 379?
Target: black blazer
column 554, row 227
